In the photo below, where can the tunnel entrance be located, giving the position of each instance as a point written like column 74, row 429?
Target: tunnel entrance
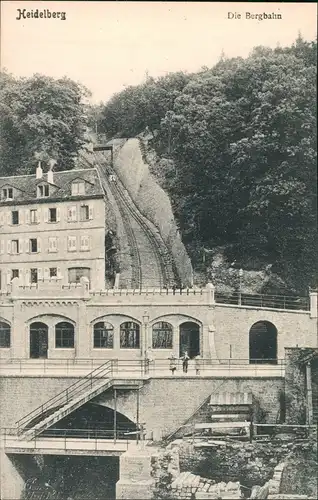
column 189, row 339
column 263, row 343
column 38, row 340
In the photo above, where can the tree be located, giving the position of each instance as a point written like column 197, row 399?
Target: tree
column 40, row 118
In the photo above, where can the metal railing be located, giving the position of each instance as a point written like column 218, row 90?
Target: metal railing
column 138, row 367
column 103, row 437
column 104, row 371
column 288, row 302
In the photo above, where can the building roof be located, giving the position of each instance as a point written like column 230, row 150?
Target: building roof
column 62, row 184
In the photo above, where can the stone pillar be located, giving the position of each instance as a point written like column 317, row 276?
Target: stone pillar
column 83, row 333
column 135, row 480
column 210, row 294
column 11, row 482
column 20, row 334
column 213, row 354
column 313, row 304
column 144, row 334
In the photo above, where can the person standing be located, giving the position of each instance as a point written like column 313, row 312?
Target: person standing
column 173, row 363
column 185, row 362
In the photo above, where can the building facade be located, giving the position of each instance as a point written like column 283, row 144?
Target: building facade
column 73, row 322
column 52, row 228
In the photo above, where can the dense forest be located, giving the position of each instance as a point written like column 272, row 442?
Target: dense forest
column 237, row 145
column 242, row 140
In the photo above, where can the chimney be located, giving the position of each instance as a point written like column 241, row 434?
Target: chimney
column 50, row 176
column 50, row 172
column 39, row 171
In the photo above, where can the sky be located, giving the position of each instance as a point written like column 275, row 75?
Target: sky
column 109, row 45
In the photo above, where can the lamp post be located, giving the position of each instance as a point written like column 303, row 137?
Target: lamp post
column 240, row 287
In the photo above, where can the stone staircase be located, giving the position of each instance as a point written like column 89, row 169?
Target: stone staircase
column 66, row 402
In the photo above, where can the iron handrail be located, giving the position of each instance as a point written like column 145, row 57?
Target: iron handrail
column 104, row 369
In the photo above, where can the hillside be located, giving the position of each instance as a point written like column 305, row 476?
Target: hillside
column 234, row 147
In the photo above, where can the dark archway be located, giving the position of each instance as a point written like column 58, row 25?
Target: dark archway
column 189, row 339
column 38, row 340
column 93, row 420
column 263, row 343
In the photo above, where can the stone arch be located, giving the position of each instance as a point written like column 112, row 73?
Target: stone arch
column 99, row 417
column 45, row 316
column 182, row 318
column 263, row 343
column 115, row 315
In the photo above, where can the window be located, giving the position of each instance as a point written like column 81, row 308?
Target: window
column 33, row 216
column 78, row 188
column 43, row 190
column 64, row 335
column 53, row 244
column 52, row 215
column 33, row 245
column 129, row 335
column 15, row 217
column 15, row 246
column 71, row 243
column 5, row 332
column 7, row 194
column 76, row 273
column 84, row 212
column 103, row 335
column 162, row 335
column 34, row 275
column 53, row 272
column 14, row 273
column 72, row 214
column 84, row 243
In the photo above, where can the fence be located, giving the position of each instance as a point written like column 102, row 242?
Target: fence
column 67, row 439
column 122, row 368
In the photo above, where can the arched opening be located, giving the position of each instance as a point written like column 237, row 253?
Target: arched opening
column 38, row 340
column 162, row 335
column 5, row 334
column 189, row 339
column 103, row 335
column 263, row 343
column 64, row 335
column 129, row 335
column 93, row 420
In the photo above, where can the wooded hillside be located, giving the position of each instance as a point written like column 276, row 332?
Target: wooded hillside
column 242, row 140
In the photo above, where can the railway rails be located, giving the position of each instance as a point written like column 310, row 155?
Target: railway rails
column 151, row 265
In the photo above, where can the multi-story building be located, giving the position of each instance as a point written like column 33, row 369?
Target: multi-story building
column 52, row 227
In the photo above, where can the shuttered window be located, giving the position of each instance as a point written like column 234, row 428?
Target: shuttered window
column 71, row 243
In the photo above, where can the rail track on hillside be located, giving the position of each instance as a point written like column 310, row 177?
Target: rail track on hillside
column 150, row 261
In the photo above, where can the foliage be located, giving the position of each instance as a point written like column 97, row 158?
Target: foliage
column 41, row 118
column 242, row 136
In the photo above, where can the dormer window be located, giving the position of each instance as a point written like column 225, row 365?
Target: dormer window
column 7, row 194
column 78, row 187
column 43, row 191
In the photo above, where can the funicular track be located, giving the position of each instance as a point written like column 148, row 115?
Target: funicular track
column 150, row 260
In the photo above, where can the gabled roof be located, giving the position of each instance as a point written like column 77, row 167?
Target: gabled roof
column 27, row 184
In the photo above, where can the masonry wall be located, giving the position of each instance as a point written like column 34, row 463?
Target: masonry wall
column 165, row 404
column 234, row 323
